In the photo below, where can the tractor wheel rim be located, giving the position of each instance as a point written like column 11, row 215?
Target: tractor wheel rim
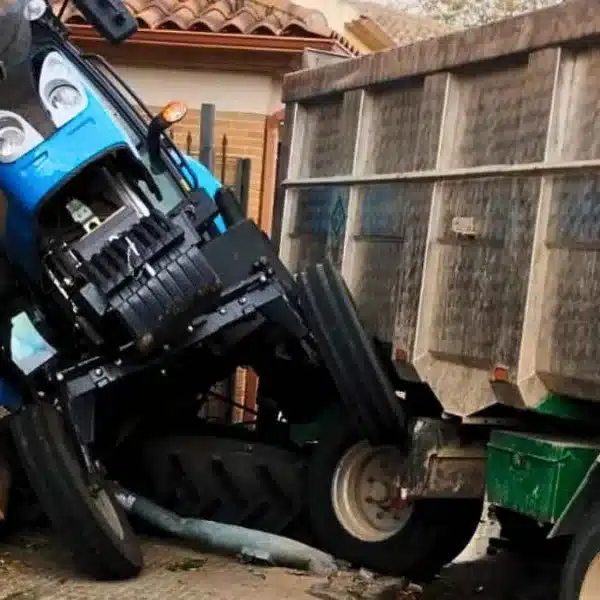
column 107, row 509
column 363, row 491
column 591, row 581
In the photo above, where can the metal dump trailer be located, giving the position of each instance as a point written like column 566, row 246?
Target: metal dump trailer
column 455, row 183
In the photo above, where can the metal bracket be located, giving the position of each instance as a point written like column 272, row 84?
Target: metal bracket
column 587, row 492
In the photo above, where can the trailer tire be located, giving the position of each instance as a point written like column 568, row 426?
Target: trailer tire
column 407, row 551
column 452, row 537
column 96, row 532
column 235, row 481
column 581, row 572
column 348, row 353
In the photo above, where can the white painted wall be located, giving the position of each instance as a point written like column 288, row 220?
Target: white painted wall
column 236, row 92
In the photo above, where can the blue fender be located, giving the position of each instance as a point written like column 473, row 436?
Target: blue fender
column 207, row 181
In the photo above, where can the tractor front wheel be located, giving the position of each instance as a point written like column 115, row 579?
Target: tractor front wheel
column 88, row 518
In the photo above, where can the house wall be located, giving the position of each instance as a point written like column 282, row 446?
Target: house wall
column 338, row 14
column 230, row 92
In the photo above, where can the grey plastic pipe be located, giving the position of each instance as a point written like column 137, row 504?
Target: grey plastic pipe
column 230, row 539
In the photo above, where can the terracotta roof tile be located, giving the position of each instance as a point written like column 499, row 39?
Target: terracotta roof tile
column 264, row 17
column 402, row 27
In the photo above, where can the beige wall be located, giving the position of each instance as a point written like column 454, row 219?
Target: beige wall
column 338, row 14
column 230, row 92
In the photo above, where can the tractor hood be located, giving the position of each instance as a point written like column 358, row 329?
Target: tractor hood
column 51, row 127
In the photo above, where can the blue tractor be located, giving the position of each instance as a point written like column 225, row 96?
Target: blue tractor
column 131, row 283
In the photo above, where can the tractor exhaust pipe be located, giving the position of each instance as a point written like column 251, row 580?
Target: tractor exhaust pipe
column 231, row 539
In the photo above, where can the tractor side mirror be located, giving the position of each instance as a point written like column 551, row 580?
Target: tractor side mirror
column 110, row 18
column 171, row 114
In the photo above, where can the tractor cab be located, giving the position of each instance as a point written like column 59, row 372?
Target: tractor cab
column 112, row 219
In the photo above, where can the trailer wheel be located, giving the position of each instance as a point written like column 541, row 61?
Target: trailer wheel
column 452, row 537
column 362, row 383
column 90, row 522
column 581, row 572
column 350, row 491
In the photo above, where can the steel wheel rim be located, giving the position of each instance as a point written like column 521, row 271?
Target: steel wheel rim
column 363, row 489
column 591, row 581
column 106, row 507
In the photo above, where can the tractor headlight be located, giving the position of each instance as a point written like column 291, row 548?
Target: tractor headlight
column 65, row 97
column 11, row 140
column 61, row 89
column 17, row 137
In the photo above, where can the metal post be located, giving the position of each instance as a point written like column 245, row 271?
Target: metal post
column 242, row 183
column 207, row 135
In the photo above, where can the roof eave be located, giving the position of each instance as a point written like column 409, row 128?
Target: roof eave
column 227, row 41
column 371, row 34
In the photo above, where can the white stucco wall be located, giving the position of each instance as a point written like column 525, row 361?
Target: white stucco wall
column 235, row 92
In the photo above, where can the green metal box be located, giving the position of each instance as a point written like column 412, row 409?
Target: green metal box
column 536, row 475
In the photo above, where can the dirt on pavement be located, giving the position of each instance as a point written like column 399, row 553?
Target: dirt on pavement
column 35, row 567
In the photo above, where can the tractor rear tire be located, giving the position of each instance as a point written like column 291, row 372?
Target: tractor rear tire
column 93, row 525
column 429, row 533
column 230, row 480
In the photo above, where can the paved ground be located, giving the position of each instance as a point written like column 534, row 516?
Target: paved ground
column 33, row 567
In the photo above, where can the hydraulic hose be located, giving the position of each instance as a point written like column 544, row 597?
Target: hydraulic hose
column 231, row 539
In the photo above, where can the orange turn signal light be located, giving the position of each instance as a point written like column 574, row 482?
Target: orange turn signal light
column 174, row 112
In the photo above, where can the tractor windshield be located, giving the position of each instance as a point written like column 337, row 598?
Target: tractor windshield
column 133, row 116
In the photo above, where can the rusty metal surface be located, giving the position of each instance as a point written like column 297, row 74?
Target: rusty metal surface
column 329, row 136
column 483, row 279
column 504, row 112
column 319, row 226
column 389, row 248
column 455, row 472
column 440, row 465
column 557, row 25
column 471, row 239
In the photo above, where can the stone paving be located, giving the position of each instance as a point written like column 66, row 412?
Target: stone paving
column 35, row 567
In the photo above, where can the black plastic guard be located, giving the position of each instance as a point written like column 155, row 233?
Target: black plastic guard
column 364, row 388
column 234, row 255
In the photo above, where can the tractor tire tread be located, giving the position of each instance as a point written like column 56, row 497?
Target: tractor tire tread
column 250, row 484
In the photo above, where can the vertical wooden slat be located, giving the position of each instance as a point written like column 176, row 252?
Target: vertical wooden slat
column 297, row 125
column 268, row 183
